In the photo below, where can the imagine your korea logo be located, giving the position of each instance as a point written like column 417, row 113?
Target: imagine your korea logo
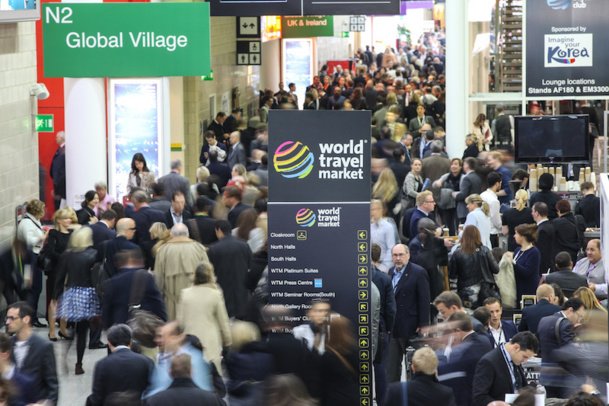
column 567, row 50
column 293, row 160
column 305, row 218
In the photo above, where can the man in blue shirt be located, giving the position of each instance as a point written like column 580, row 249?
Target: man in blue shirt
column 494, row 161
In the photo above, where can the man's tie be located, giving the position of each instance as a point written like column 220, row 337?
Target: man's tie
column 518, row 376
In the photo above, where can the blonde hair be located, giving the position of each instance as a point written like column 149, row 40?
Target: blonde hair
column 202, row 173
column 589, row 298
column 522, row 196
column 164, row 237
column 422, row 197
column 81, row 239
column 496, row 155
column 72, row 215
column 60, row 214
column 476, row 199
column 386, row 187
column 425, row 360
column 157, row 229
column 243, row 332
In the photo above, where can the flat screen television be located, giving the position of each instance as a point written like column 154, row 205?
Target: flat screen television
column 14, row 11
column 552, row 139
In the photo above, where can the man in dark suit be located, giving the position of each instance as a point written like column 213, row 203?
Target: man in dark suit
column 589, row 206
column 174, row 182
column 502, row 127
column 104, row 229
column 125, row 229
column 236, row 155
column 212, row 144
column 12, row 264
column 177, row 213
column 470, row 184
column 399, row 167
column 545, row 237
column 412, row 297
column 231, row 258
column 202, row 227
column 32, row 355
column 144, row 217
column 499, row 331
column 232, row 199
column 217, row 126
column 448, row 303
column 132, row 285
column 183, row 391
column 425, row 208
column 26, row 391
column 58, row 171
column 564, row 276
column 556, row 331
column 387, row 319
column 544, row 307
column 121, row 371
column 423, row 388
column 457, row 370
column 500, row 371
column 232, row 121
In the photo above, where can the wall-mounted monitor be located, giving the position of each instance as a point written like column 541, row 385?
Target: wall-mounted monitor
column 552, row 139
column 15, row 11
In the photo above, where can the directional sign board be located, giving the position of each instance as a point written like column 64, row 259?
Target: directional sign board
column 319, row 227
column 357, row 23
column 249, row 44
column 248, row 27
column 303, row 7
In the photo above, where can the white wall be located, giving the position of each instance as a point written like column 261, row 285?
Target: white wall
column 271, row 61
column 18, row 143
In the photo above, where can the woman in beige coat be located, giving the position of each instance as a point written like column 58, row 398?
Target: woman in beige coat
column 202, row 313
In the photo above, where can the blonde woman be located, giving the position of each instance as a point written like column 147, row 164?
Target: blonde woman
column 57, row 243
column 386, row 189
column 202, row 313
column 479, row 217
column 590, row 301
column 516, row 216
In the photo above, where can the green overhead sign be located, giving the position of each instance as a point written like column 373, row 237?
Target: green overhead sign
column 309, row 26
column 126, row 39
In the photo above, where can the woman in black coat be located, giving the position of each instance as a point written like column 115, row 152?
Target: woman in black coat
column 339, row 365
column 472, row 149
column 430, row 252
column 86, row 215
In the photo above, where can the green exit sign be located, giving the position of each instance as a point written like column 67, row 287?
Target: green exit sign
column 44, row 123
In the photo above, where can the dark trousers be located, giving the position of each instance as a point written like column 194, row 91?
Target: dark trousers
column 396, row 353
column 80, row 328
column 449, row 217
column 33, row 294
column 96, row 331
column 380, row 371
column 494, row 240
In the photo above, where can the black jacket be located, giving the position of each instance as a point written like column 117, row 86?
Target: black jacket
column 118, row 297
column 546, row 331
column 144, row 218
column 492, row 379
column 532, row 314
column 120, row 371
column 184, row 392
column 466, row 268
column 548, row 197
column 110, row 248
column 568, row 281
column 76, row 265
column 169, row 218
column 590, row 208
column 567, row 231
column 101, row 232
column 231, row 259
column 545, row 245
column 202, row 228
column 383, row 283
column 422, row 390
column 39, row 364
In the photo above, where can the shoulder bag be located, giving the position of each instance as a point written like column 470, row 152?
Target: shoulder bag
column 488, row 286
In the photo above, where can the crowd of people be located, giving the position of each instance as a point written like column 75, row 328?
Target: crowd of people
column 178, row 276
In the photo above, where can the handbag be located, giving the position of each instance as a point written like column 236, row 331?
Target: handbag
column 488, row 286
column 100, row 273
column 447, row 201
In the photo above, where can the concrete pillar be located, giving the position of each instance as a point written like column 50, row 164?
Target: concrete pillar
column 456, row 77
column 85, row 128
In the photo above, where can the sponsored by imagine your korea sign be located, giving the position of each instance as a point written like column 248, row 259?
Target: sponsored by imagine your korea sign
column 568, row 50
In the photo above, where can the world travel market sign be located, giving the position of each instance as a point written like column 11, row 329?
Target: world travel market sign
column 319, row 219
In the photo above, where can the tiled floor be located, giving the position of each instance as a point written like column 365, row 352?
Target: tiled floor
column 73, row 389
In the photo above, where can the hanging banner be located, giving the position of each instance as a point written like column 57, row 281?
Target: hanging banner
column 319, row 219
column 256, row 8
column 310, row 26
column 126, row 39
column 566, row 50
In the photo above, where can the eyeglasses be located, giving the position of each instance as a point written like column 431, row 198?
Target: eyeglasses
column 12, row 318
column 132, row 228
column 431, row 201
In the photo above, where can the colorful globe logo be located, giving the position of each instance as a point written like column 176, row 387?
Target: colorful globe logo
column 305, row 218
column 293, row 160
column 559, row 4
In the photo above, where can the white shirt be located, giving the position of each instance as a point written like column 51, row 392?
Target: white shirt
column 498, row 335
column 491, row 198
column 482, row 222
column 381, row 233
column 20, row 350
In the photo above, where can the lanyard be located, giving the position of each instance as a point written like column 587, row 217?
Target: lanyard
column 508, row 362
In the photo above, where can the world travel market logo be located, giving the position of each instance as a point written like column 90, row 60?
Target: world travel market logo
column 293, row 160
column 305, row 218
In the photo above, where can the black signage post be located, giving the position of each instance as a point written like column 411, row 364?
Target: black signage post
column 319, row 219
column 303, row 7
column 566, row 53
